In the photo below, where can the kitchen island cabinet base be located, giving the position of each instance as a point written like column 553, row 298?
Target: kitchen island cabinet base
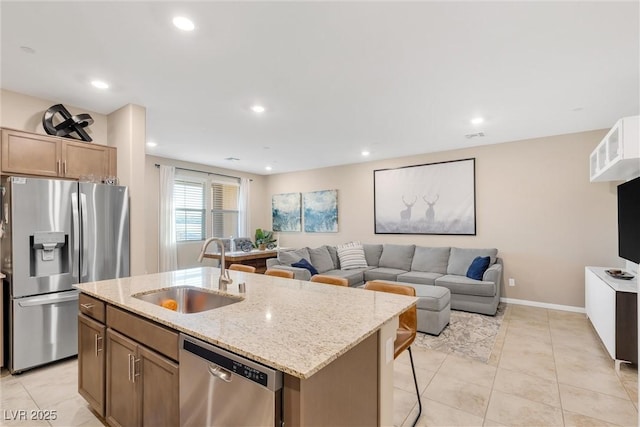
column 344, row 393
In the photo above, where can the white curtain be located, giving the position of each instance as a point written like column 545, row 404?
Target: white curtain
column 167, row 232
column 244, row 218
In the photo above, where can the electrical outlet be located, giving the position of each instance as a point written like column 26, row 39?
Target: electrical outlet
column 512, row 281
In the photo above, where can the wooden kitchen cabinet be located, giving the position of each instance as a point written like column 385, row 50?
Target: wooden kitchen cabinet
column 91, row 362
column 30, row 154
column 142, row 385
column 91, row 351
column 159, row 398
column 79, row 158
column 41, row 155
column 121, row 386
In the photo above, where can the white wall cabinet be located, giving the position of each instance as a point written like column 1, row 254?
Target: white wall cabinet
column 611, row 306
column 617, row 157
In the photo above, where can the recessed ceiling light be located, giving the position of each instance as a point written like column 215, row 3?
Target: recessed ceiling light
column 477, row 120
column 100, row 84
column 185, row 24
column 257, row 109
column 268, row 168
column 365, row 153
column 152, row 144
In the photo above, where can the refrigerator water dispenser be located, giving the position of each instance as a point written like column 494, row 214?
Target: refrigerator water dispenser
column 47, row 253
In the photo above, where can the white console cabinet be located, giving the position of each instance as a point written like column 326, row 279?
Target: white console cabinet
column 617, row 157
column 611, row 306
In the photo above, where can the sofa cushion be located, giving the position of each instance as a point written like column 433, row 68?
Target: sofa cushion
column 382, row 273
column 478, row 266
column 321, row 259
column 372, row 254
column 333, row 251
column 397, row 256
column 351, row 256
column 432, row 298
column 419, row 277
column 464, row 285
column 354, row 276
column 289, row 257
column 303, row 263
column 432, row 260
column 460, row 259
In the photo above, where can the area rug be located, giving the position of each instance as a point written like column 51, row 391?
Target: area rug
column 468, row 334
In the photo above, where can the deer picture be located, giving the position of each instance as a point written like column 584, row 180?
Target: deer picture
column 405, row 214
column 430, row 213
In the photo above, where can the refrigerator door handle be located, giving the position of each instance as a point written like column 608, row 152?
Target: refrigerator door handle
column 85, row 249
column 75, row 262
column 50, row 299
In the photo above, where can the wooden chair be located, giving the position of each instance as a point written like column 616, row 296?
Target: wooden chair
column 407, row 327
column 280, row 273
column 330, row 280
column 242, row 267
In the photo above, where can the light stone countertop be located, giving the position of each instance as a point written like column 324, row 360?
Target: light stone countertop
column 291, row 325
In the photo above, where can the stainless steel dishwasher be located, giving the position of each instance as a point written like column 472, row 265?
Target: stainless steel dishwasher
column 220, row 388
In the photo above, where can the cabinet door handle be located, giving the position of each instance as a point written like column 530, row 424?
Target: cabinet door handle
column 98, row 347
column 87, row 306
column 129, row 355
column 58, row 167
column 64, row 165
column 134, row 361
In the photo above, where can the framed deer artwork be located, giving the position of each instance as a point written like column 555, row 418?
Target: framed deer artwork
column 436, row 198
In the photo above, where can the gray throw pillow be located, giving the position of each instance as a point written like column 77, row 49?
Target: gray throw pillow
column 321, row 259
column 461, row 258
column 430, row 260
column 397, row 256
column 372, row 254
column 333, row 251
column 289, row 257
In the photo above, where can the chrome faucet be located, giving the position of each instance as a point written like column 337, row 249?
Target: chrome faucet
column 224, row 274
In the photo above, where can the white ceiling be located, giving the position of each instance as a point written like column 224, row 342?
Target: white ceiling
column 336, row 78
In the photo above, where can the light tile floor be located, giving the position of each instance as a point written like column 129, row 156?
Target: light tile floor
column 548, row 368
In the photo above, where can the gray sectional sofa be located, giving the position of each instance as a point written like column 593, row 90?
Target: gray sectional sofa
column 415, row 265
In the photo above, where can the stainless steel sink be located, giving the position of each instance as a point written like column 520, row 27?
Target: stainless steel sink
column 187, row 299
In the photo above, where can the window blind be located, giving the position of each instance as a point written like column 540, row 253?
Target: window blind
column 188, row 197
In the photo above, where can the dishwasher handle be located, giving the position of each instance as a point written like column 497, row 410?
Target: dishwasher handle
column 220, row 372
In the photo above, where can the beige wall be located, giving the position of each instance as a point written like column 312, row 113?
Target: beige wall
column 534, row 202
column 23, row 112
column 127, row 132
column 188, row 251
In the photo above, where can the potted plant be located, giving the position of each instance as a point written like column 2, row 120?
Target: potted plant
column 264, row 238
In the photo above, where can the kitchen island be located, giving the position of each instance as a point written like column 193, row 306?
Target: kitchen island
column 333, row 344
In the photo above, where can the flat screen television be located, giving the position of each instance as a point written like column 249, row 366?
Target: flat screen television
column 629, row 220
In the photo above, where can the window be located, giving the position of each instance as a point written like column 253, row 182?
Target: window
column 188, row 197
column 201, row 214
column 224, row 209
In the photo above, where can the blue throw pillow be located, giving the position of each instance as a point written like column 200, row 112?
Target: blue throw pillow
column 303, row 263
column 478, row 267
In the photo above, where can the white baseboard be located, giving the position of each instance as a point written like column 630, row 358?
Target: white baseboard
column 544, row 305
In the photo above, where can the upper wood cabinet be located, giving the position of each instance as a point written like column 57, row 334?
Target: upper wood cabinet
column 41, row 155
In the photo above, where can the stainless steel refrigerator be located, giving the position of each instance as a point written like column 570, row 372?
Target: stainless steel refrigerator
column 57, row 233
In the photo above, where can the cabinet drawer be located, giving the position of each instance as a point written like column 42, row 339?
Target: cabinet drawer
column 157, row 337
column 91, row 307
